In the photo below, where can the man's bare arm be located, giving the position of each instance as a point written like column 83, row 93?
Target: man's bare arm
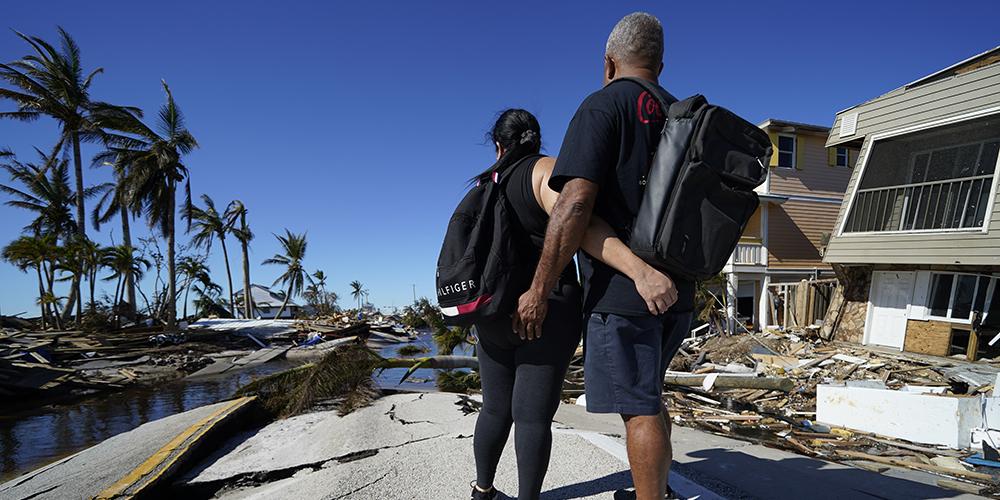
column 655, row 288
column 601, row 242
column 567, row 225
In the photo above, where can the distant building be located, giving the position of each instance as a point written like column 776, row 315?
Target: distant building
column 918, row 240
column 784, row 240
column 266, row 303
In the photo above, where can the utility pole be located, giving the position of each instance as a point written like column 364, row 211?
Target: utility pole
column 414, row 293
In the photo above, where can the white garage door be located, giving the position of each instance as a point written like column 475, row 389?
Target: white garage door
column 891, row 294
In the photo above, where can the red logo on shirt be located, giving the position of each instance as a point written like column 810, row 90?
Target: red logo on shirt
column 649, row 108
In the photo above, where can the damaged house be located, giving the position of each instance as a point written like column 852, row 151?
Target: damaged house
column 783, row 242
column 917, row 240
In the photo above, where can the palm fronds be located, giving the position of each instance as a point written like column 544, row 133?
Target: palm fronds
column 345, row 375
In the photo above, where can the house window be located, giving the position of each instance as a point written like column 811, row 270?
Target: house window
column 954, row 297
column 938, row 179
column 843, row 159
column 786, row 151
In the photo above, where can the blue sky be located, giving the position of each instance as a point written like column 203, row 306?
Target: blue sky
column 359, row 122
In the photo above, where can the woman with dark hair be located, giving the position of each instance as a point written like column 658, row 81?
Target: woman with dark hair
column 522, row 378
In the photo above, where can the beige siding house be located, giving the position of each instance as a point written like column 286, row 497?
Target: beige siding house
column 800, row 200
column 919, row 232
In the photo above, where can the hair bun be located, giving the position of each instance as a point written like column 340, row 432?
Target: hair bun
column 528, row 136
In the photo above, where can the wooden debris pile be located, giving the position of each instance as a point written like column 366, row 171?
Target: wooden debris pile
column 761, row 387
column 47, row 364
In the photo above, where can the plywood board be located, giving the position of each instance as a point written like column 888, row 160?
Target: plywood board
column 928, row 337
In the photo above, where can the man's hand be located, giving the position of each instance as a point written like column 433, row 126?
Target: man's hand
column 530, row 314
column 657, row 289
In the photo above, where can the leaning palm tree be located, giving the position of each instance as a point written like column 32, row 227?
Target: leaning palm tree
column 51, row 82
column 26, row 253
column 193, row 270
column 208, row 224
column 357, row 291
column 49, row 196
column 114, row 202
column 155, row 170
column 294, row 277
column 46, row 194
column 123, row 263
column 237, row 211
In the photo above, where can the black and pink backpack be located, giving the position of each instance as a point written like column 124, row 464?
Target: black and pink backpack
column 477, row 268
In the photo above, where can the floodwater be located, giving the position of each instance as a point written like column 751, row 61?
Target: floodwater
column 31, row 439
column 34, row 438
column 423, row 378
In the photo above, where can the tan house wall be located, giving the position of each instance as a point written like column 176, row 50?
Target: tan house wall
column 968, row 92
column 813, row 175
column 795, row 231
column 796, row 227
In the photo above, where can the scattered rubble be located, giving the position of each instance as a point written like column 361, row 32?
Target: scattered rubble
column 47, row 365
column 762, row 387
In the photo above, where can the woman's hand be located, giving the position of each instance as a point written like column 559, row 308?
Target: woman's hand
column 657, row 289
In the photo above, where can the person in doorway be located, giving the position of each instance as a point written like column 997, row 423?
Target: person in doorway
column 522, row 375
column 634, row 324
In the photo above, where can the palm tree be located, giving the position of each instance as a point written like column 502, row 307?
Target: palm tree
column 207, row 294
column 194, row 270
column 47, row 194
column 28, row 252
column 318, row 279
column 294, row 277
column 123, row 263
column 209, row 224
column 114, row 201
column 357, row 291
column 51, row 82
column 155, row 170
column 238, row 211
column 93, row 257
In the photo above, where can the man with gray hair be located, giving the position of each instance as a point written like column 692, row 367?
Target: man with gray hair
column 636, row 315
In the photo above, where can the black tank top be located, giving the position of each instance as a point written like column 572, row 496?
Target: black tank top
column 531, row 217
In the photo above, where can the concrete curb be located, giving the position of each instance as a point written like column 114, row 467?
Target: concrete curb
column 680, row 484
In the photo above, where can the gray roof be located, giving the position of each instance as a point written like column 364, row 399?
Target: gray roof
column 262, row 296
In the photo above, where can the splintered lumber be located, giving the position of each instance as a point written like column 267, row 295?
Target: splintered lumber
column 734, row 382
column 915, row 465
column 962, row 486
column 921, row 449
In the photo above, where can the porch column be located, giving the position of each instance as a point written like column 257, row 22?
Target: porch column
column 763, row 309
column 732, row 285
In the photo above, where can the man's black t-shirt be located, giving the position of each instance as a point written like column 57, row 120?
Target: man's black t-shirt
column 611, row 141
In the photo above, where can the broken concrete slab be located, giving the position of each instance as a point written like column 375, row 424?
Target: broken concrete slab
column 442, row 468
column 87, row 473
column 317, row 437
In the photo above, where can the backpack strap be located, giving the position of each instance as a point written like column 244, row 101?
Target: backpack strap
column 679, row 109
column 652, row 89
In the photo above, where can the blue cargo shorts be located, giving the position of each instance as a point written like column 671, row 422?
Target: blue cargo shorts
column 626, row 358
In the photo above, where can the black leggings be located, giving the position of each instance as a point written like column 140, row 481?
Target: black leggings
column 522, row 382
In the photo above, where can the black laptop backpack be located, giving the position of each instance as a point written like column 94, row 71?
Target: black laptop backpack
column 699, row 192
